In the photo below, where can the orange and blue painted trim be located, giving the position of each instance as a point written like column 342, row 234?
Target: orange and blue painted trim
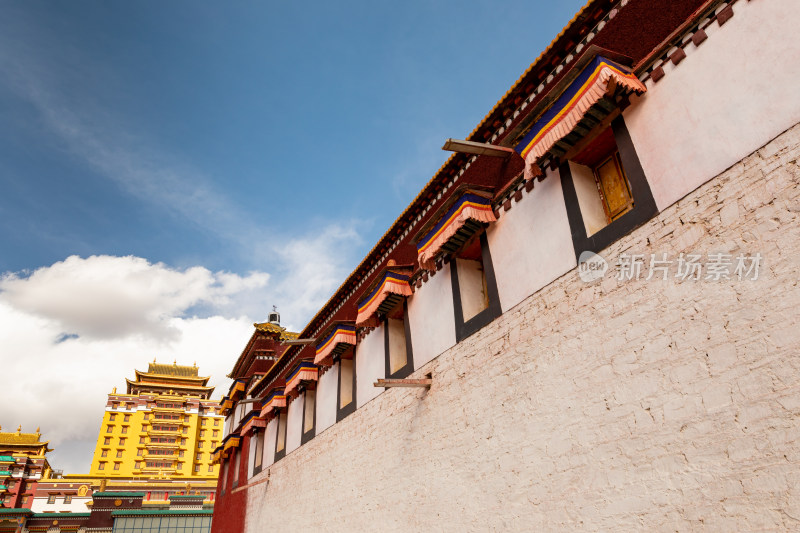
column 467, row 200
column 340, row 328
column 567, row 101
column 275, row 395
column 388, row 277
column 303, row 365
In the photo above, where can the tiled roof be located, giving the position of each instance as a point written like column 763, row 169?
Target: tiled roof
column 20, row 438
column 172, row 370
column 268, row 327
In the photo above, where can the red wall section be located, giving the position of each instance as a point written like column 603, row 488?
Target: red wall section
column 230, row 507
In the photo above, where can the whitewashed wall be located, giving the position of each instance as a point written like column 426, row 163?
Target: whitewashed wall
column 78, row 505
column 531, row 244
column 737, row 89
column 370, row 365
column 269, row 442
column 294, row 423
column 430, row 315
column 327, row 389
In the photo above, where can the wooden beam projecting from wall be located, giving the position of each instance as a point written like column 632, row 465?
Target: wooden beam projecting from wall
column 303, row 342
column 404, row 382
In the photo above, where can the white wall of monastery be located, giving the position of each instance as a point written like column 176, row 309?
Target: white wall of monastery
column 269, row 442
column 531, row 244
column 78, row 505
column 731, row 93
column 294, row 423
column 370, row 365
column 431, row 319
column 614, row 406
column 327, row 389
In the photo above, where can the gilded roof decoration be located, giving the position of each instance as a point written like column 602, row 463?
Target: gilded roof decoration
column 172, row 370
column 267, row 327
column 20, row 438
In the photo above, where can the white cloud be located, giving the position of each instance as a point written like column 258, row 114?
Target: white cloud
column 314, row 267
column 72, row 331
column 125, row 312
column 111, row 297
column 62, row 387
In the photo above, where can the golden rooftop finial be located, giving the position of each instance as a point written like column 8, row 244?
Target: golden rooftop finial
column 114, row 390
column 19, row 428
column 174, row 361
column 39, row 430
column 154, row 359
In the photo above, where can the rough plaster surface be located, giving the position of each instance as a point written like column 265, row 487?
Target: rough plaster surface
column 616, row 406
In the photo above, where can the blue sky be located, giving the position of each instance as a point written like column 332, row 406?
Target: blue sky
column 168, row 168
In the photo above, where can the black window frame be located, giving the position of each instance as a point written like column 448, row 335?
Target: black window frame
column 257, row 432
column 306, row 436
column 347, row 410
column 408, row 368
column 282, row 453
column 644, row 205
column 236, row 456
column 466, row 328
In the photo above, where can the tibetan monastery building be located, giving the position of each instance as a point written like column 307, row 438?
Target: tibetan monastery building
column 23, row 465
column 586, row 320
column 164, row 426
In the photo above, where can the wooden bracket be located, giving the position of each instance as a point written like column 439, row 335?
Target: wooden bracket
column 404, row 382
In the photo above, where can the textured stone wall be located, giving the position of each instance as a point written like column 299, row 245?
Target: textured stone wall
column 614, row 406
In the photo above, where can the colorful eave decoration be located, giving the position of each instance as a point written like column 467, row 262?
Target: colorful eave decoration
column 254, row 422
column 394, row 284
column 275, row 400
column 600, row 77
column 218, row 455
column 232, row 442
column 305, row 371
column 225, row 404
column 238, row 389
column 342, row 336
column 471, row 206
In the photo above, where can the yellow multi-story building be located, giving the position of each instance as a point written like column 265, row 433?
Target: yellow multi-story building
column 164, row 426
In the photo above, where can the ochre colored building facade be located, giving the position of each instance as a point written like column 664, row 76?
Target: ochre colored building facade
column 164, row 426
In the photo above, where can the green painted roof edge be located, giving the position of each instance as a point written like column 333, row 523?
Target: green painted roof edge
column 118, row 494
column 187, row 497
column 61, row 515
column 165, row 512
column 14, row 510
